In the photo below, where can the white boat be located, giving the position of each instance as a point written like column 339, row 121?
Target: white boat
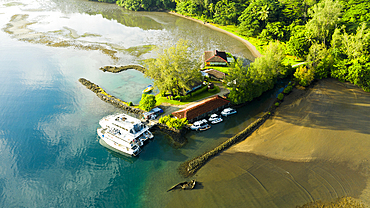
column 124, row 133
column 214, row 119
column 228, row 111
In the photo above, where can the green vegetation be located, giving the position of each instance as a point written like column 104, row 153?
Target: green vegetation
column 304, row 76
column 331, row 36
column 288, row 89
column 187, row 99
column 280, row 96
column 173, row 122
column 248, row 83
column 174, row 70
column 277, row 104
column 147, row 102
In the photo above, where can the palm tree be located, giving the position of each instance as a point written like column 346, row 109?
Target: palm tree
column 264, row 13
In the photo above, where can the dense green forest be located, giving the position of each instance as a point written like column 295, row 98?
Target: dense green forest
column 331, row 36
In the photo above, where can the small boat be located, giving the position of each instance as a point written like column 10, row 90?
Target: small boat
column 214, row 119
column 201, row 124
column 184, row 185
column 148, row 89
column 205, row 128
column 228, row 111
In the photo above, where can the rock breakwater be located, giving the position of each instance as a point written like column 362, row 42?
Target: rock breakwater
column 117, row 69
column 189, row 167
column 177, row 136
column 110, row 98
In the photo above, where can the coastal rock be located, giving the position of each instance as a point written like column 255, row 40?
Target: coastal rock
column 178, row 136
column 189, row 167
column 117, row 69
column 109, row 98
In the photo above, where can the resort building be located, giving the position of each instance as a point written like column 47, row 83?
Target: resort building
column 202, row 109
column 215, row 58
column 215, row 74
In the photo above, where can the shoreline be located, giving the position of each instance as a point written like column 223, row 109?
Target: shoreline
column 255, row 53
column 314, row 148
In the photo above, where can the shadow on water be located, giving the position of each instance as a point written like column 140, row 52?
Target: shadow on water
column 116, row 154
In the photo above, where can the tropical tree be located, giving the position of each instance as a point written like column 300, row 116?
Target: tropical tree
column 325, row 15
column 225, row 12
column 240, row 83
column 246, row 83
column 147, row 102
column 298, row 44
column 304, row 75
column 175, row 69
column 257, row 15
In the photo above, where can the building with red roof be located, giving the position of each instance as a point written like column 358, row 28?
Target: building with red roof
column 202, row 108
column 213, row 58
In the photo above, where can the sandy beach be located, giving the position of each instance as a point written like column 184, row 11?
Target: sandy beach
column 251, row 47
column 315, row 147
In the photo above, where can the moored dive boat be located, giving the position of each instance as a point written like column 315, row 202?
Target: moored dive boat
column 148, row 89
column 123, row 133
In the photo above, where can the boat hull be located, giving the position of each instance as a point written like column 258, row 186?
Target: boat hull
column 106, row 142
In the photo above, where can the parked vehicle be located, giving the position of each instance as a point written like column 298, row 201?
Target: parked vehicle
column 200, row 125
column 153, row 114
column 214, row 119
column 228, row 111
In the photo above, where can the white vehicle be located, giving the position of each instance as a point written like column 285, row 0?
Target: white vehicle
column 214, row 119
column 123, row 133
column 201, row 125
column 228, row 111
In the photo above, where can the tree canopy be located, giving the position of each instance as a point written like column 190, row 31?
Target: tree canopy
column 332, row 36
column 147, row 102
column 175, row 69
column 246, row 83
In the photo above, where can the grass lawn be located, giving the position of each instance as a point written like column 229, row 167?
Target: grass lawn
column 258, row 43
column 291, row 60
column 205, row 94
column 223, row 69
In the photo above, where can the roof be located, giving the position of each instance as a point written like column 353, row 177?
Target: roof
column 215, row 73
column 201, row 108
column 215, row 56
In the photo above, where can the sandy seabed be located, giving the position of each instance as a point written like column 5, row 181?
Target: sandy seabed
column 315, row 147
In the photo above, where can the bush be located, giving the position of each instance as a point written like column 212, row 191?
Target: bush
column 147, row 102
column 288, row 89
column 280, row 96
column 277, row 104
column 130, row 103
column 213, row 90
column 173, row 122
column 304, row 76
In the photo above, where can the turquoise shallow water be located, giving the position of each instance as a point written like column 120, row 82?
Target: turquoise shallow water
column 49, row 153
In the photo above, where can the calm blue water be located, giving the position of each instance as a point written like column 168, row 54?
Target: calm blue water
column 49, row 153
